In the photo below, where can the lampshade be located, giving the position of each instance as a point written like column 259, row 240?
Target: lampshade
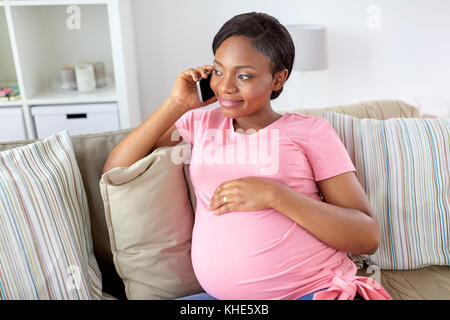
column 310, row 46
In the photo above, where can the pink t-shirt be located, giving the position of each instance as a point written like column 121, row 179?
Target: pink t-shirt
column 263, row 254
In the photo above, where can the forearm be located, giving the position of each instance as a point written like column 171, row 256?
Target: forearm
column 141, row 140
column 344, row 229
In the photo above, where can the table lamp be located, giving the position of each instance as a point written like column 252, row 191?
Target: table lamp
column 310, row 50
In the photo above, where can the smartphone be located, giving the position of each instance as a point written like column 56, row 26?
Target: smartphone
column 204, row 89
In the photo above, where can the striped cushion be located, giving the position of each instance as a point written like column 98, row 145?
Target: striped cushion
column 403, row 165
column 45, row 238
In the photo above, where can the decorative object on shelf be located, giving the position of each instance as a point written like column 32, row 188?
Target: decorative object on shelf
column 100, row 78
column 67, row 77
column 55, row 85
column 67, row 81
column 14, row 95
column 4, row 94
column 85, row 76
column 9, row 93
column 310, row 50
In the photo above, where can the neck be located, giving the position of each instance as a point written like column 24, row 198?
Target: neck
column 256, row 122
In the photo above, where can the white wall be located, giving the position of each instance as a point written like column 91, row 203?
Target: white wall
column 408, row 58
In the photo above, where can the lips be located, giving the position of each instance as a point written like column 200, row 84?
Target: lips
column 229, row 103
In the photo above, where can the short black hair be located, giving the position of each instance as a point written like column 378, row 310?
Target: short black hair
column 266, row 34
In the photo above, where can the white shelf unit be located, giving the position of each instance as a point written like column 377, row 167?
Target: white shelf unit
column 36, row 42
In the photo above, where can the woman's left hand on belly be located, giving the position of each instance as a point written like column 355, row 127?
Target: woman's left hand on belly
column 244, row 194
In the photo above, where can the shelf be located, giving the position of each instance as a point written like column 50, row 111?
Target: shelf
column 12, row 3
column 48, row 96
column 16, row 103
column 39, row 38
column 60, row 45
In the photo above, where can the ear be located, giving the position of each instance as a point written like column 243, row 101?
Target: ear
column 279, row 79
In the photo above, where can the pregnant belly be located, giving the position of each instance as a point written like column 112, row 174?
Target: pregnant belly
column 250, row 254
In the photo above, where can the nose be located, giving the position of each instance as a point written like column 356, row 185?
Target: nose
column 227, row 85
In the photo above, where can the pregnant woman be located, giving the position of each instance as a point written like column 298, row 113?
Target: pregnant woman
column 278, row 202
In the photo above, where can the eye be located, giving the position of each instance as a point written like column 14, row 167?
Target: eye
column 217, row 72
column 244, row 77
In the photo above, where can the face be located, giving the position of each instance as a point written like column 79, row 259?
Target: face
column 242, row 79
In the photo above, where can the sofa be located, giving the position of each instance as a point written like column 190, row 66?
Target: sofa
column 91, row 151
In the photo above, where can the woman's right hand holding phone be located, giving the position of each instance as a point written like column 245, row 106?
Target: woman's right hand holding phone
column 185, row 88
column 157, row 129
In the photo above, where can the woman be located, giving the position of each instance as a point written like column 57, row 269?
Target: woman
column 266, row 227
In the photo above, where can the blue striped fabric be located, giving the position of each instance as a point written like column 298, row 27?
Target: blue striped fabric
column 46, row 249
column 403, row 165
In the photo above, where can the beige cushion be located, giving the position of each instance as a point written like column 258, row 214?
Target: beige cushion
column 91, row 151
column 150, row 221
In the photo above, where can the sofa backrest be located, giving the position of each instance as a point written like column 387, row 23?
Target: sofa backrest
column 91, row 151
column 377, row 109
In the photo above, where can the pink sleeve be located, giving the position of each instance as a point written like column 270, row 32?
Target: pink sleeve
column 326, row 152
column 185, row 126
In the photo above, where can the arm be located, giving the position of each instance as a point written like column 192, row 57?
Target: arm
column 345, row 221
column 141, row 140
column 157, row 129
